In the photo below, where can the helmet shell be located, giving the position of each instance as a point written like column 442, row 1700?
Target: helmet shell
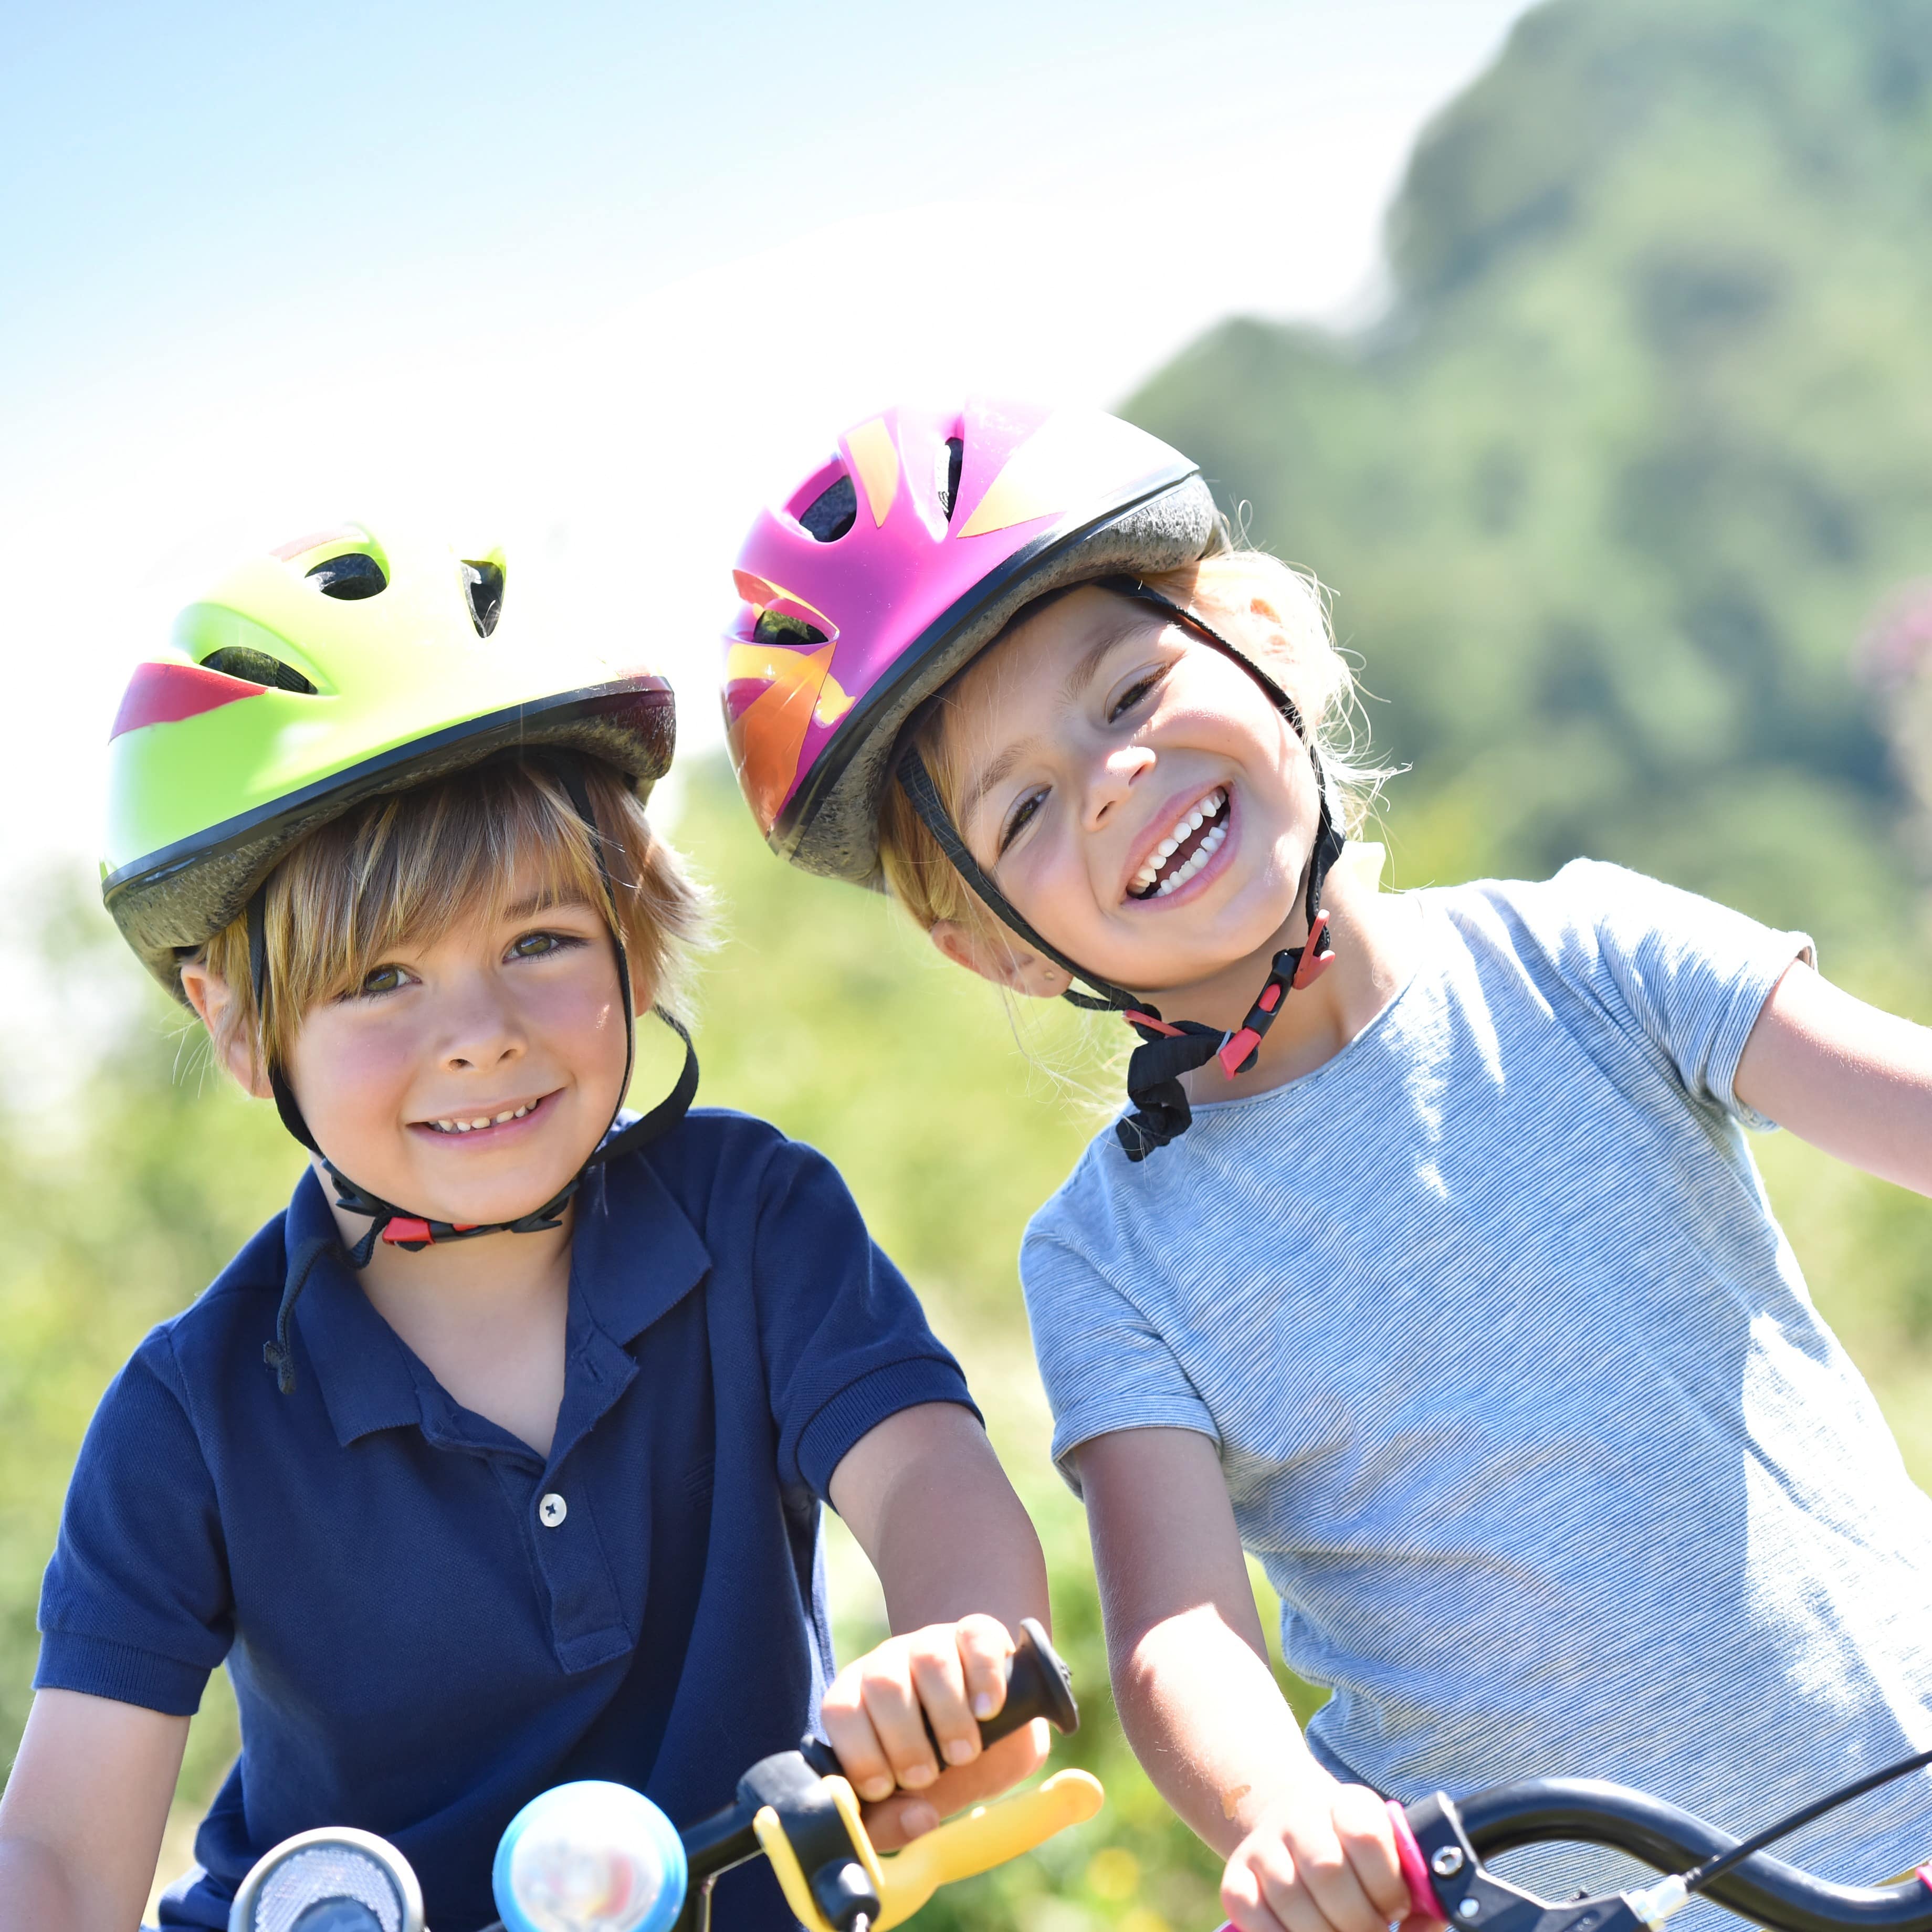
column 840, row 636
column 338, row 668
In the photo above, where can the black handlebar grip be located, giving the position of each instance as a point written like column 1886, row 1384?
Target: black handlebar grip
column 1038, row 1685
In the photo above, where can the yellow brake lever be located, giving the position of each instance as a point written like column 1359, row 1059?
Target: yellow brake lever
column 985, row 1837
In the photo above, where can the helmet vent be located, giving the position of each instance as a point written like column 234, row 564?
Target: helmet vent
column 254, row 667
column 484, row 582
column 353, row 575
column 946, row 468
column 832, row 512
column 774, row 627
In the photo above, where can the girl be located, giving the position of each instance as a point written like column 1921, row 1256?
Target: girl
column 1430, row 1263
column 497, row 1460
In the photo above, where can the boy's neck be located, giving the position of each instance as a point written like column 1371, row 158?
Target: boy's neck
column 1374, row 936
column 487, row 1317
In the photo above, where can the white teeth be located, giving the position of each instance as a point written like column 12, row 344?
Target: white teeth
column 477, row 1126
column 1214, row 803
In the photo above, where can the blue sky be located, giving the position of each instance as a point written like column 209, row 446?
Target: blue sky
column 599, row 278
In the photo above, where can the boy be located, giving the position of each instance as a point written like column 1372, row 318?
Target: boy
column 496, row 1460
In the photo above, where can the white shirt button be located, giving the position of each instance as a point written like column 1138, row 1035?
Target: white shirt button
column 552, row 1511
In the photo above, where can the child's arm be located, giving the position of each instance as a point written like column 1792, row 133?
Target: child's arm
column 926, row 1499
column 1199, row 1703
column 1843, row 1075
column 81, row 1822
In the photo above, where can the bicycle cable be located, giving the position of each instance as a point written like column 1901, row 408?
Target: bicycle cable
column 1698, row 1877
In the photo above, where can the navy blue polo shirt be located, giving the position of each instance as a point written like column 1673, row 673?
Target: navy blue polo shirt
column 426, row 1622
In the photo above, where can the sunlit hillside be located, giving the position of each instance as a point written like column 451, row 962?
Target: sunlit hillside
column 1610, row 500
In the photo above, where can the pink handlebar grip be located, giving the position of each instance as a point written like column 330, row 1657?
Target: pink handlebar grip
column 1425, row 1909
column 1423, row 1905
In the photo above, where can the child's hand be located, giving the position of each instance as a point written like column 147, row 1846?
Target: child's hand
column 955, row 1675
column 1323, row 1861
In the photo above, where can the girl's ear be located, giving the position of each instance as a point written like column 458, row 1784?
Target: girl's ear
column 208, row 994
column 1004, row 962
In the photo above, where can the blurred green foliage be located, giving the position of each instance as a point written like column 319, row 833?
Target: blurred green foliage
column 1608, row 501
column 1608, row 497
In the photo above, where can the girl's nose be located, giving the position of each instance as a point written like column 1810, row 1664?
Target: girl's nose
column 1115, row 773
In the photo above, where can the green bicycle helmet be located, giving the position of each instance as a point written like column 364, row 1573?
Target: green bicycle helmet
column 337, row 668
column 334, row 669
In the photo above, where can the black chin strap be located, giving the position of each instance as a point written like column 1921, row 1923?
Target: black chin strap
column 1168, row 1049
column 412, row 1232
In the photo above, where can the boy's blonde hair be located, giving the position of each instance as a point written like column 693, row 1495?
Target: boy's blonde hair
column 1298, row 651
column 410, row 866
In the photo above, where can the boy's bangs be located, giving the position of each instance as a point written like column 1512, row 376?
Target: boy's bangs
column 407, row 872
column 500, row 841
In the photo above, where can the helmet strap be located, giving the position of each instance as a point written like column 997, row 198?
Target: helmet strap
column 1168, row 1049
column 413, row 1232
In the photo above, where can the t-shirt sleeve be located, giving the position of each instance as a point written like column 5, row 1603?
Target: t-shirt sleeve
column 136, row 1604
column 1104, row 1366
column 1692, row 975
column 846, row 1342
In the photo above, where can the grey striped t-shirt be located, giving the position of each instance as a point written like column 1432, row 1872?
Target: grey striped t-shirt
column 1521, row 1399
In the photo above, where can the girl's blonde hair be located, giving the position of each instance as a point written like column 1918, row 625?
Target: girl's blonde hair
column 1293, row 642
column 409, row 866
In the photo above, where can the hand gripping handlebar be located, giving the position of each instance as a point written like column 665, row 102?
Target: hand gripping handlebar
column 1442, row 1843
column 796, row 1809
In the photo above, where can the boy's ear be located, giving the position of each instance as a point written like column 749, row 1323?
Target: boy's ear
column 208, row 993
column 1005, row 961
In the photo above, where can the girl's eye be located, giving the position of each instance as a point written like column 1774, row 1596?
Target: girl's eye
column 1134, row 694
column 383, row 979
column 1024, row 814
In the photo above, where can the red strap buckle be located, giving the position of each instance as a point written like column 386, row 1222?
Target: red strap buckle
column 1305, row 965
column 405, row 1232
column 1317, row 956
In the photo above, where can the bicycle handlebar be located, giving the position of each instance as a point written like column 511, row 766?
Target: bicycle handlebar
column 1443, row 1843
column 814, row 1816
column 596, row 1853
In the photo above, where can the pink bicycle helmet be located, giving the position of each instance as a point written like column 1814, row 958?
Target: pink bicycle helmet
column 891, row 567
column 881, row 577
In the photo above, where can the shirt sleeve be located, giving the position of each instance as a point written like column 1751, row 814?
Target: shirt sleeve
column 136, row 1604
column 1104, row 1365
column 1692, row 975
column 846, row 1342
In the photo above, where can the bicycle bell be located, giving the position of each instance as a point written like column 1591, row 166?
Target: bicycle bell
column 590, row 1857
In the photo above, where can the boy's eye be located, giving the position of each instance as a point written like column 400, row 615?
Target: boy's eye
column 383, row 979
column 1023, row 816
column 541, row 945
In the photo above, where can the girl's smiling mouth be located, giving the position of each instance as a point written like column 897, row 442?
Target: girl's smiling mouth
column 1188, row 846
column 491, row 1124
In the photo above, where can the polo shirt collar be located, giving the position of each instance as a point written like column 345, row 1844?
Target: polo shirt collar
column 634, row 1255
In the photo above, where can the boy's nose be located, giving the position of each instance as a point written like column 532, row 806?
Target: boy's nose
column 483, row 1032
